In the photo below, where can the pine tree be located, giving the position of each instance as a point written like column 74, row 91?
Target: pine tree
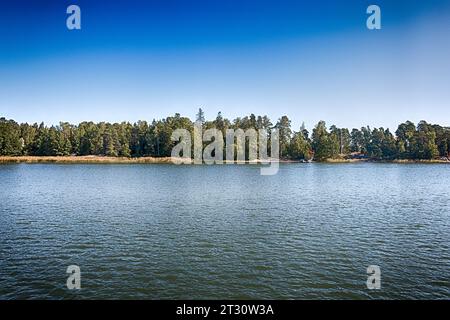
column 200, row 116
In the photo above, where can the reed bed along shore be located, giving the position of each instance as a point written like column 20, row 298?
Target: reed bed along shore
column 81, row 159
column 100, row 159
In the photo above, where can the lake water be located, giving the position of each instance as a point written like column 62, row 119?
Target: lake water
column 225, row 232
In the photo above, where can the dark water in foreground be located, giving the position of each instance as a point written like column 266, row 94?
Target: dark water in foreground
column 165, row 231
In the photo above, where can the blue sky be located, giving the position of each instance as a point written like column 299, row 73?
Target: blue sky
column 310, row 60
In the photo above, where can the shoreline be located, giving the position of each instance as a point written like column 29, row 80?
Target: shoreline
column 398, row 161
column 169, row 160
column 102, row 160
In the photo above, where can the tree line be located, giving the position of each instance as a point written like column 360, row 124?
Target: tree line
column 424, row 141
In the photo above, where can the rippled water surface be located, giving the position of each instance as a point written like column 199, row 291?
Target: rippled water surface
column 165, row 231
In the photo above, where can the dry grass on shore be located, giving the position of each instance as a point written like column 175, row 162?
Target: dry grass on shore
column 103, row 159
column 166, row 160
column 82, row 159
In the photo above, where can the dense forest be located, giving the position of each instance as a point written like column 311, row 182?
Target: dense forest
column 424, row 141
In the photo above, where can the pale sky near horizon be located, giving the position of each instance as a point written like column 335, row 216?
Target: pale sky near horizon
column 310, row 60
